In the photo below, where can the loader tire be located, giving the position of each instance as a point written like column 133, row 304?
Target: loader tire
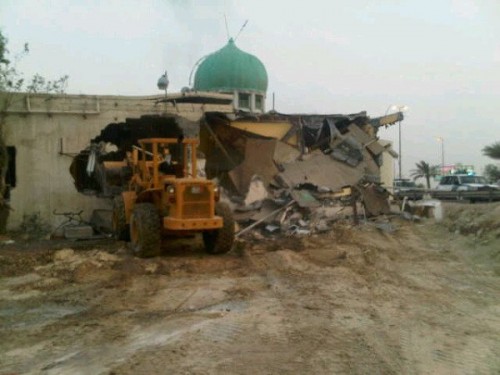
column 220, row 241
column 145, row 230
column 121, row 229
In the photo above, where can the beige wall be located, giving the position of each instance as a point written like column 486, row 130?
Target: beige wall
column 387, row 167
column 38, row 124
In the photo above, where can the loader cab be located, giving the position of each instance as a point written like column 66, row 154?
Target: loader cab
column 157, row 158
column 171, row 165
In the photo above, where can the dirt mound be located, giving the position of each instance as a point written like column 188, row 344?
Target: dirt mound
column 480, row 220
column 402, row 297
column 479, row 224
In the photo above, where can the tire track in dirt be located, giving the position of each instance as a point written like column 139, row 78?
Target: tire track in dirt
column 330, row 347
column 439, row 334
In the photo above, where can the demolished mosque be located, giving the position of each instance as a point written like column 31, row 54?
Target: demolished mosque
column 225, row 108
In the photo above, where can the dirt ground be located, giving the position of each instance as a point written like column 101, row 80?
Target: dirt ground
column 390, row 298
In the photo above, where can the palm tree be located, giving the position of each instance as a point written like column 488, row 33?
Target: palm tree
column 424, row 170
column 493, row 151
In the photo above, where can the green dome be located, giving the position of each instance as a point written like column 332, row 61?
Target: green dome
column 230, row 69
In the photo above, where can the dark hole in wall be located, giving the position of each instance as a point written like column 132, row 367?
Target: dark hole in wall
column 10, row 177
column 10, row 174
column 123, row 135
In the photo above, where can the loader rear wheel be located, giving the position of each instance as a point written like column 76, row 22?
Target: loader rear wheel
column 120, row 227
column 220, row 241
column 145, row 230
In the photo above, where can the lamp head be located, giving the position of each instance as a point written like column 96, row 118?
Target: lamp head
column 163, row 82
column 397, row 107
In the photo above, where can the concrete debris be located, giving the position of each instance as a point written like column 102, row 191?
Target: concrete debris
column 375, row 199
column 329, row 172
column 258, row 160
column 77, row 232
column 272, row 228
column 298, row 231
column 265, row 212
column 366, row 140
column 322, row 226
column 304, row 198
column 261, row 220
column 386, row 227
column 329, row 212
column 284, row 153
column 303, row 223
column 320, row 170
column 256, row 191
column 430, row 208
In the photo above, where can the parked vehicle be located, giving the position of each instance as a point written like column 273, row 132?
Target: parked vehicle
column 407, row 188
column 463, row 182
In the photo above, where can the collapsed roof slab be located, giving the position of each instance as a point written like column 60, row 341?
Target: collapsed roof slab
column 258, row 161
column 321, row 170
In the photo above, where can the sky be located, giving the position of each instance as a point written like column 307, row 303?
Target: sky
column 441, row 58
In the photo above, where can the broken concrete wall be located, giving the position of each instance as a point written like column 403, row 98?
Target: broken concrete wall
column 99, row 180
column 49, row 130
column 258, row 160
column 234, row 155
column 334, row 163
column 320, row 170
column 329, row 150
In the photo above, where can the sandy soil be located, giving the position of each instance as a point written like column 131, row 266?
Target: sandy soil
column 391, row 298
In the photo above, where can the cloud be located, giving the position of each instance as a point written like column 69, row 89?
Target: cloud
column 465, row 8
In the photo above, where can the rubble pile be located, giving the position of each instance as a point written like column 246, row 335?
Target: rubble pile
column 322, row 170
column 292, row 174
column 306, row 209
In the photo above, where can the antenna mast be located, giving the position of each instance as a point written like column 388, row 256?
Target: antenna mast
column 239, row 32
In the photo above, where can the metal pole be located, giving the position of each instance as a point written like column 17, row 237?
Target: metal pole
column 442, row 156
column 400, row 163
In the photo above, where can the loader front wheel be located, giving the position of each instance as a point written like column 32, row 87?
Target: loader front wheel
column 145, row 230
column 220, row 241
column 120, row 226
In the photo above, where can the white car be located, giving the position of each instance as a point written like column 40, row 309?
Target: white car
column 407, row 188
column 463, row 182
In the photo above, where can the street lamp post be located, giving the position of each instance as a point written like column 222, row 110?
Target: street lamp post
column 163, row 82
column 441, row 140
column 400, row 159
column 399, row 108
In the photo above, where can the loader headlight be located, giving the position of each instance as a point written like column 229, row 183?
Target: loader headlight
column 171, row 194
column 216, row 193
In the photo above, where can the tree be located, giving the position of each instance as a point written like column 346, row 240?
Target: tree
column 492, row 151
column 12, row 81
column 492, row 173
column 424, row 170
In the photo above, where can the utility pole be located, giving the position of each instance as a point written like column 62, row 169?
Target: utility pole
column 400, row 156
